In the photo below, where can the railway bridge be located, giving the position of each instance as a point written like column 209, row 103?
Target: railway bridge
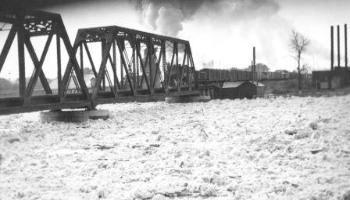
column 103, row 65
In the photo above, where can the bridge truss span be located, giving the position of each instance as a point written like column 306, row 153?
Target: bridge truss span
column 27, row 27
column 134, row 63
column 104, row 65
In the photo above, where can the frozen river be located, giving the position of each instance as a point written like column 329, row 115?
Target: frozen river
column 283, row 148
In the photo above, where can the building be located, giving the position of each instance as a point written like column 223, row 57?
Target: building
column 338, row 78
column 239, row 89
column 284, row 73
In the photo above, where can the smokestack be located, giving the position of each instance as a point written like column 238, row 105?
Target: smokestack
column 332, row 48
column 346, row 45
column 254, row 67
column 338, row 43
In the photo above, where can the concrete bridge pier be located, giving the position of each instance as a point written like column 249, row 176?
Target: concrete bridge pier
column 184, row 97
column 74, row 116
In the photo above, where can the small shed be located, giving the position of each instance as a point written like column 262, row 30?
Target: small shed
column 260, row 89
column 239, row 89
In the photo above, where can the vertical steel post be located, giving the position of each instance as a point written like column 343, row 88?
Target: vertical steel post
column 177, row 65
column 137, row 68
column 150, row 59
column 103, row 46
column 121, row 64
column 59, row 66
column 164, row 64
column 81, row 58
column 134, row 60
column 21, row 58
column 114, row 52
column 188, row 65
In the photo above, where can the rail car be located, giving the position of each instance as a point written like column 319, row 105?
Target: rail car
column 221, row 75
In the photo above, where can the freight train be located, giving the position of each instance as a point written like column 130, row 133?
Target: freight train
column 221, row 75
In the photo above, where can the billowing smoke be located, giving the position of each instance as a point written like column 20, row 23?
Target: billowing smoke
column 223, row 30
column 167, row 16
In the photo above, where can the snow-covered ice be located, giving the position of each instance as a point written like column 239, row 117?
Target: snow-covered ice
column 282, row 148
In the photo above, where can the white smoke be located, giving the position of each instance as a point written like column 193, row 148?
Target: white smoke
column 150, row 15
column 169, row 21
column 224, row 31
column 168, row 16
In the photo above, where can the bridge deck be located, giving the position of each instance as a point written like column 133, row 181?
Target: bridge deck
column 12, row 105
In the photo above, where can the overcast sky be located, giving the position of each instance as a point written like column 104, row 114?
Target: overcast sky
column 222, row 32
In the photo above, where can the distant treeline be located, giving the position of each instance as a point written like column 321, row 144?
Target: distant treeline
column 6, row 84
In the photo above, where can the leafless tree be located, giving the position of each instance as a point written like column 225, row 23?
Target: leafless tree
column 305, row 69
column 298, row 44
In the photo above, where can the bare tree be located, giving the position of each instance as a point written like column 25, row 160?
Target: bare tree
column 298, row 44
column 305, row 69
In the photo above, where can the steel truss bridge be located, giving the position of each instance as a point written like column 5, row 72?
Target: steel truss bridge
column 104, row 65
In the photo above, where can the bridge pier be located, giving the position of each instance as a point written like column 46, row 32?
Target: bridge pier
column 74, row 116
column 186, row 98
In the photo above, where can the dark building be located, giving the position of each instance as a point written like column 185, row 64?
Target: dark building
column 338, row 78
column 239, row 89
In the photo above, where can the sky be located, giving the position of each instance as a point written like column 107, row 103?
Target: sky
column 222, row 33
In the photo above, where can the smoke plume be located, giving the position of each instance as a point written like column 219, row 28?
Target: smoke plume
column 168, row 16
